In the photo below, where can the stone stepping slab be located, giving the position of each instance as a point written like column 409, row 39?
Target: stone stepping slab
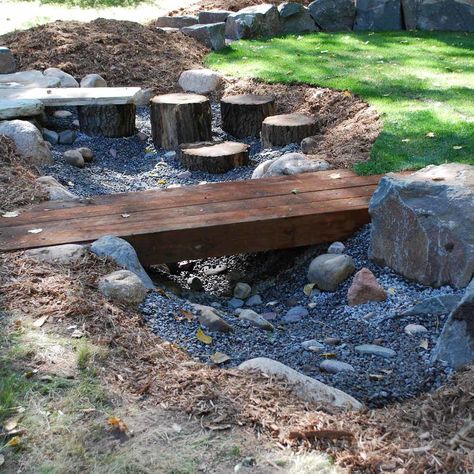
column 10, row 109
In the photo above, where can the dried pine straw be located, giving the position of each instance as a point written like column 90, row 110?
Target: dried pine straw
column 433, row 433
column 17, row 179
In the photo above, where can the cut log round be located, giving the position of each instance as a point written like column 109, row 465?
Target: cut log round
column 107, row 120
column 214, row 157
column 180, row 118
column 281, row 130
column 242, row 115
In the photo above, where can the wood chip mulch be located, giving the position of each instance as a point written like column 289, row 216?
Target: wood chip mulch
column 432, row 433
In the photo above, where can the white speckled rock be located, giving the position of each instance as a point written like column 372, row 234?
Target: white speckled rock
column 65, row 79
column 60, row 254
column 304, row 387
column 200, row 81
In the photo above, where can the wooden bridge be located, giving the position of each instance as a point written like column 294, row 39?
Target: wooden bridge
column 208, row 220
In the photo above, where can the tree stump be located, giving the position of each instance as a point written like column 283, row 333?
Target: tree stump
column 180, row 118
column 242, row 115
column 214, row 157
column 107, row 120
column 281, row 130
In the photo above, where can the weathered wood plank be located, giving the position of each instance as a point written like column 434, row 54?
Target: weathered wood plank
column 55, row 97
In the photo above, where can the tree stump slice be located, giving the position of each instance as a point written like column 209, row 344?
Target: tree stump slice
column 180, row 118
column 242, row 115
column 108, row 120
column 214, row 157
column 281, row 130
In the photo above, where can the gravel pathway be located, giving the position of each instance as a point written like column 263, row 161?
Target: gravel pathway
column 122, row 165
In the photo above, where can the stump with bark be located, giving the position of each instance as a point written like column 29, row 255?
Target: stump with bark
column 214, row 157
column 281, row 130
column 180, row 118
column 242, row 115
column 107, row 120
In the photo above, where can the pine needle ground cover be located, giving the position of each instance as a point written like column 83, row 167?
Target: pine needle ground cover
column 422, row 85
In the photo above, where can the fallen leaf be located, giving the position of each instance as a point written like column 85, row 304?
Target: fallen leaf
column 11, row 423
column 328, row 355
column 335, row 176
column 125, row 215
column 162, row 181
column 35, row 231
column 77, row 334
column 39, row 322
column 15, row 441
column 308, row 289
column 391, row 290
column 203, row 337
column 220, row 358
column 455, row 147
column 424, row 344
column 295, row 191
column 11, row 214
column 117, row 423
column 347, row 93
column 430, row 135
column 187, row 314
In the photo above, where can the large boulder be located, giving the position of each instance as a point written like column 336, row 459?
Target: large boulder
column 123, row 286
column 378, row 15
column 123, row 254
column 423, row 225
column 333, row 15
column 289, row 164
column 28, row 141
column 456, row 342
column 304, row 387
column 212, row 36
column 7, row 61
column 65, row 79
column 213, row 16
column 253, row 22
column 444, row 15
column 295, row 18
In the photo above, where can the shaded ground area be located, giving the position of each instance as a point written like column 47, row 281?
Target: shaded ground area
column 420, row 84
column 123, row 52
column 432, row 433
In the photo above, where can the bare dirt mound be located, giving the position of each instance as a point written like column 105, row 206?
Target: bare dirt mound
column 123, row 52
column 348, row 125
column 232, row 5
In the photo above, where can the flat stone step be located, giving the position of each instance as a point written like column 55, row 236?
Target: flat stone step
column 10, row 109
column 27, row 79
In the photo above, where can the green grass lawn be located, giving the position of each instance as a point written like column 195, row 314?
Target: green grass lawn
column 422, row 84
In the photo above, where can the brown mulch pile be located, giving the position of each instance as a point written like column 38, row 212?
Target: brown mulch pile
column 17, row 179
column 433, row 433
column 232, row 5
column 123, row 52
column 348, row 125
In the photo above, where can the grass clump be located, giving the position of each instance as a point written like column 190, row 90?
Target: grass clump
column 421, row 83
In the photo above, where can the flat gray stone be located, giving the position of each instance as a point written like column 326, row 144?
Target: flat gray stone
column 313, row 345
column 255, row 319
column 176, row 21
column 199, row 81
column 254, row 300
column 373, row 349
column 335, row 366
column 415, row 329
column 11, row 109
column 212, row 318
column 60, row 254
column 435, row 306
column 295, row 314
column 213, row 16
column 289, row 164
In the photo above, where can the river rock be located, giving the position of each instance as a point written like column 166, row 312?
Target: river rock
column 213, row 16
column 253, row 22
column 93, row 80
column 212, row 318
column 200, row 81
column 456, row 343
column 304, row 387
column 255, row 300
column 60, row 254
column 123, row 254
column 378, row 15
column 256, row 319
column 242, row 290
column 86, row 153
column 336, row 248
column 50, row 136
column 327, row 271
column 12, row 109
column 235, row 303
column 176, row 21
column 414, row 329
column 295, row 314
column 333, row 15
column 312, row 345
column 335, row 366
column 28, row 140
column 431, row 214
column 376, row 350
column 65, row 79
column 211, row 36
column 443, row 15
column 365, row 288
column 7, row 61
column 55, row 190
column 67, row 137
column 289, row 164
column 195, row 283
column 74, row 158
column 295, row 18
column 123, row 286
